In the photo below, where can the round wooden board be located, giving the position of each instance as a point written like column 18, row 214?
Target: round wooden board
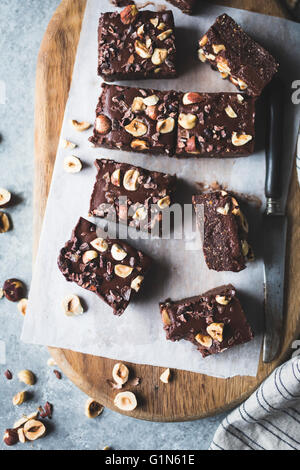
column 188, row 396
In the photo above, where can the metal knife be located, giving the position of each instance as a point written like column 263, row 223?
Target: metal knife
column 274, row 226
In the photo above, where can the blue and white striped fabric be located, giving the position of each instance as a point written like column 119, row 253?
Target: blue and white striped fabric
column 269, row 419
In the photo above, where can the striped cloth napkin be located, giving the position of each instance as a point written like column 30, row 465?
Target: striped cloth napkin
column 269, row 419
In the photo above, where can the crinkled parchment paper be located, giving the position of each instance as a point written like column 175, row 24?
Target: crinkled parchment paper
column 179, row 269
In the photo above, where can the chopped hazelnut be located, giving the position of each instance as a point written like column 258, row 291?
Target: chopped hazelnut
column 240, row 139
column 22, row 306
column 136, row 128
column 19, row 398
column 203, row 41
column 215, row 330
column 100, row 244
column 164, row 202
column 165, row 126
column 27, row 377
column 5, row 196
column 125, row 401
column 130, row 180
column 142, row 50
column 218, row 48
column 136, row 283
column 165, row 317
column 138, row 144
column 165, row 376
column 159, row 56
column 34, row 429
column 222, row 65
column 151, row 100
column 72, row 164
column 222, row 300
column 204, row 340
column 93, row 408
column 4, row 222
column 230, row 112
column 122, row 270
column 187, row 121
column 154, row 21
column 116, row 177
column 80, row 126
column 72, row 306
column 165, row 34
column 117, row 252
column 66, row 144
column 89, row 256
column 120, row 373
column 138, row 104
column 161, row 26
column 21, row 435
column 223, row 210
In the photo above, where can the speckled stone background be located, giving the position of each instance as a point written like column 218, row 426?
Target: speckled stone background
column 22, row 25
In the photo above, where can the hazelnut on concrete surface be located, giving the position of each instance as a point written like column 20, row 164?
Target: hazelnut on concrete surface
column 5, row 196
column 93, row 408
column 27, row 377
column 22, row 306
column 13, row 290
column 10, row 437
column 33, row 429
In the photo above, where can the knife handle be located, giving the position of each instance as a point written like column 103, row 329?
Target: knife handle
column 274, row 132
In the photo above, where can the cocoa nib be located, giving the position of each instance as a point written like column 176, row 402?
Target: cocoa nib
column 57, row 373
column 47, row 411
column 8, row 374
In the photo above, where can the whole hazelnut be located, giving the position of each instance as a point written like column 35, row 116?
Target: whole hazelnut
column 13, row 290
column 10, row 437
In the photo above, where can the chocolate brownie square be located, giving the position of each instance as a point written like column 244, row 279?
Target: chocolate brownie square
column 131, row 194
column 213, row 321
column 225, row 231
column 136, row 119
column 237, row 56
column 215, row 125
column 113, row 269
column 136, row 44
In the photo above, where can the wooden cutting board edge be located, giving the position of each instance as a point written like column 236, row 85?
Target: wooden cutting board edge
column 188, row 396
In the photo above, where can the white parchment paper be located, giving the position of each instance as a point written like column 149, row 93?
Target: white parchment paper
column 179, row 269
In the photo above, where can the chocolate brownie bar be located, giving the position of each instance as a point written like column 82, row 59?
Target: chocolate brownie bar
column 187, row 6
column 131, row 194
column 224, row 229
column 215, row 125
column 213, row 321
column 237, row 56
column 112, row 269
column 136, row 44
column 136, row 119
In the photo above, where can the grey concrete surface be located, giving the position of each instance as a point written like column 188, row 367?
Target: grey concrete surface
column 22, row 25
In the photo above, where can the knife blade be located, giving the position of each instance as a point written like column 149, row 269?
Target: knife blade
column 274, row 226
